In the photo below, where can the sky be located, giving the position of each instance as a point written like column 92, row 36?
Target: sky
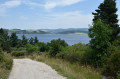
column 48, row 14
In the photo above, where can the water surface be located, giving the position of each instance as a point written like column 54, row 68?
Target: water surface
column 71, row 39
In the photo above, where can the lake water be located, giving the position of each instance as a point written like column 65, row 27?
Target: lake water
column 71, row 39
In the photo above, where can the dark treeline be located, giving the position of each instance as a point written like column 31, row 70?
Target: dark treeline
column 7, row 42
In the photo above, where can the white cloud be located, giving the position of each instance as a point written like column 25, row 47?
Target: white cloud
column 48, row 5
column 23, row 18
column 53, row 3
column 32, row 4
column 63, row 20
column 52, row 21
column 7, row 5
column 10, row 4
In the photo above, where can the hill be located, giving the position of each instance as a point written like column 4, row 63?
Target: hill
column 50, row 31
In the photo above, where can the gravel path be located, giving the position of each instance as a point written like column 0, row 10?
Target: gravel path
column 29, row 69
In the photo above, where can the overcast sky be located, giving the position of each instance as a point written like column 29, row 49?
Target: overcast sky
column 48, row 14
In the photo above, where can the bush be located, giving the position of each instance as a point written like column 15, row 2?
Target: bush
column 56, row 46
column 18, row 53
column 112, row 66
column 43, row 47
column 90, row 58
column 31, row 48
column 1, row 57
column 73, row 53
column 6, row 62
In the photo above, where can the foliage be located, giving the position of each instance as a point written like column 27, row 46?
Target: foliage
column 73, row 53
column 14, row 40
column 107, row 13
column 65, row 68
column 56, row 46
column 6, row 61
column 43, row 47
column 36, row 40
column 18, row 53
column 112, row 65
column 31, row 41
column 100, row 35
column 19, row 43
column 31, row 48
column 5, row 65
column 1, row 57
column 4, row 41
column 24, row 40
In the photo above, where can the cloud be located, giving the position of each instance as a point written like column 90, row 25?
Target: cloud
column 54, row 3
column 23, row 18
column 71, row 19
column 48, row 4
column 32, row 4
column 52, row 21
column 63, row 20
column 7, row 5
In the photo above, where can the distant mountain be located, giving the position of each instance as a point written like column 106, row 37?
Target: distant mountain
column 49, row 31
column 73, row 31
column 18, row 31
column 65, row 31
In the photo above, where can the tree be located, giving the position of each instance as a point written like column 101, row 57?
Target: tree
column 107, row 13
column 56, row 46
column 100, row 34
column 24, row 40
column 14, row 40
column 36, row 40
column 4, row 40
column 31, row 41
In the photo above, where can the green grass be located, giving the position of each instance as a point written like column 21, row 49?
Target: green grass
column 5, row 66
column 71, row 71
column 4, row 73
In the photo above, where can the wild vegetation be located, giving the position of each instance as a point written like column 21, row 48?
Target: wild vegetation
column 78, row 61
column 67, row 69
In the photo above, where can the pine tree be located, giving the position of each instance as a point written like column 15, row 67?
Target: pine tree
column 4, row 40
column 107, row 13
column 36, row 40
column 31, row 41
column 14, row 40
column 24, row 40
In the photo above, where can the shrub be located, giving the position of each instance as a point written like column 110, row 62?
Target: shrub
column 31, row 48
column 1, row 57
column 112, row 66
column 73, row 53
column 18, row 53
column 56, row 46
column 6, row 62
column 43, row 47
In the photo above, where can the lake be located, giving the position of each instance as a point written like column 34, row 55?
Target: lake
column 71, row 39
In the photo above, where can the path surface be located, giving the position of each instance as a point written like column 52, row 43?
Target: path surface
column 29, row 69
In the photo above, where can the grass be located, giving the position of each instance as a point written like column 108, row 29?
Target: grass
column 5, row 66
column 71, row 71
column 4, row 73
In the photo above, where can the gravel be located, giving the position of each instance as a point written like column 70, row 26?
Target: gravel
column 29, row 69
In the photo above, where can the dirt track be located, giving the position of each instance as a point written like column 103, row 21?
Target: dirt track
column 29, row 69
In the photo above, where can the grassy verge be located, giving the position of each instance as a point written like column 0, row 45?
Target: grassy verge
column 4, row 73
column 71, row 71
column 5, row 66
